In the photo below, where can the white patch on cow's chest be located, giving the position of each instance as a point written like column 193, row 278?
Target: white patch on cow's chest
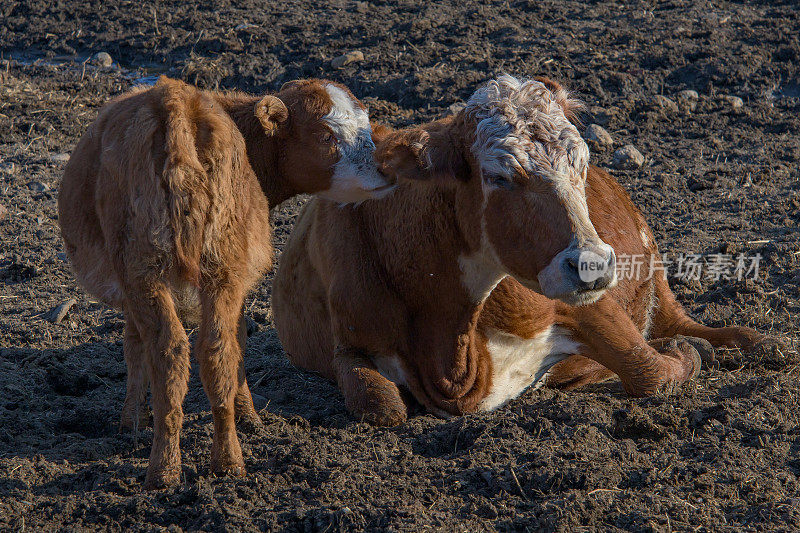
column 518, row 363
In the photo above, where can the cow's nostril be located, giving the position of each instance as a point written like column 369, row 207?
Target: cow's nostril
column 573, row 263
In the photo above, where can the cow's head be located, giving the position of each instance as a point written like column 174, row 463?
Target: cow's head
column 325, row 139
column 518, row 166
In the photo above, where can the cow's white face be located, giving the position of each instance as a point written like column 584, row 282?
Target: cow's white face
column 531, row 164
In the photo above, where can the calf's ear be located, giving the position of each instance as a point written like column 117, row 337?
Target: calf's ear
column 421, row 155
column 271, row 112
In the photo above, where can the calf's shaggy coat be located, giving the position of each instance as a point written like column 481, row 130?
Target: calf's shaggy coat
column 463, row 285
column 164, row 217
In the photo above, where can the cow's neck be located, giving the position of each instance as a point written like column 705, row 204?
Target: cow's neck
column 262, row 150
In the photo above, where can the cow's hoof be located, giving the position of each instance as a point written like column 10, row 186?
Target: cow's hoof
column 384, row 415
column 704, row 351
column 379, row 405
column 683, row 350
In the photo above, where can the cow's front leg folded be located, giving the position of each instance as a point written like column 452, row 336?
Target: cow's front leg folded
column 368, row 395
column 612, row 339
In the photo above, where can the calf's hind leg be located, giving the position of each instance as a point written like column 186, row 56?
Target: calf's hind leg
column 246, row 413
column 166, row 351
column 134, row 410
column 220, row 356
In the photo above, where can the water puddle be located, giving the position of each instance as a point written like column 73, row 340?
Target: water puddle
column 143, row 75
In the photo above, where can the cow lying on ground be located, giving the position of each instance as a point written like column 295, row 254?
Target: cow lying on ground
column 464, row 284
column 163, row 216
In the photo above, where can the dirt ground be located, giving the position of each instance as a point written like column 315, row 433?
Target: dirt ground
column 722, row 454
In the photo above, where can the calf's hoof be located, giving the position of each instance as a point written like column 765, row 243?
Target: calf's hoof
column 232, row 468
column 249, row 422
column 158, row 479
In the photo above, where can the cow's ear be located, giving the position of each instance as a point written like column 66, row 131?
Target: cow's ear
column 293, row 83
column 422, row 154
column 572, row 107
column 271, row 112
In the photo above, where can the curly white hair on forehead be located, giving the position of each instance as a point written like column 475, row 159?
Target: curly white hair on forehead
column 523, row 126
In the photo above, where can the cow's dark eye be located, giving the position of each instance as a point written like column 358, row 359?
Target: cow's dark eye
column 499, row 180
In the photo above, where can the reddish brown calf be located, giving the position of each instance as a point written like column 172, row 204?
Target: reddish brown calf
column 163, row 216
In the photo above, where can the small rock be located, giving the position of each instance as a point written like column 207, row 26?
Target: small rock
column 627, row 158
column 665, row 104
column 57, row 314
column 597, row 136
column 8, row 168
column 604, row 116
column 60, row 158
column 102, row 59
column 687, row 100
column 38, row 186
column 362, row 7
column 245, row 26
column 3, row 212
column 456, row 108
column 733, row 101
column 350, row 57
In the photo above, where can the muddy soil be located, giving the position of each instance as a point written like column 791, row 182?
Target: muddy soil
column 721, row 454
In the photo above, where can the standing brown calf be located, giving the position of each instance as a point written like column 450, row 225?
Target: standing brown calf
column 163, row 216
column 464, row 285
